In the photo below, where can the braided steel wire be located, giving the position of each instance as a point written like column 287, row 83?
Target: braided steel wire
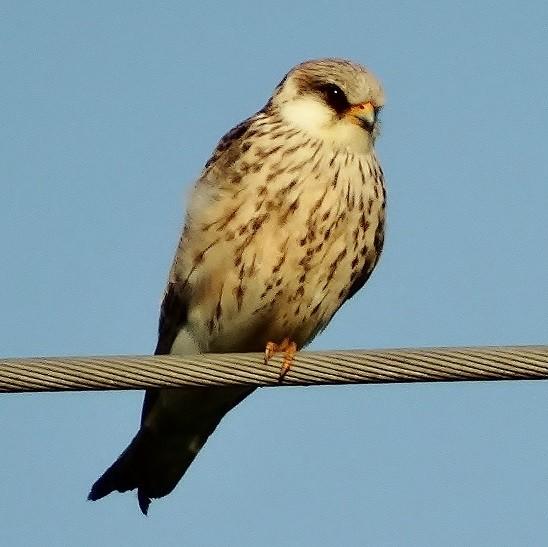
column 308, row 368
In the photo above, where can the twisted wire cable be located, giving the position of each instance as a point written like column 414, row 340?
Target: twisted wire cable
column 308, row 368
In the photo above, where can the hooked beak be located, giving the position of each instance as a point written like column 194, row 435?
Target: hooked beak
column 363, row 114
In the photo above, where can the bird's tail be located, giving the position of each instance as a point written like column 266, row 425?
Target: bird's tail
column 177, row 425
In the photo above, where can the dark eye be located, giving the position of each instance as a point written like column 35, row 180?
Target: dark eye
column 335, row 97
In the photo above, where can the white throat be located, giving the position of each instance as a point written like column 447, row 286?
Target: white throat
column 311, row 115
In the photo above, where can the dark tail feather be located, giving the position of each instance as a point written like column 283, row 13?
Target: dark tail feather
column 175, row 426
column 152, row 463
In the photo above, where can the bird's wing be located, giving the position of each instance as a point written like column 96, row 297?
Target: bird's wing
column 173, row 314
column 174, row 309
column 229, row 139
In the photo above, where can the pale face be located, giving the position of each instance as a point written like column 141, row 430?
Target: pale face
column 335, row 101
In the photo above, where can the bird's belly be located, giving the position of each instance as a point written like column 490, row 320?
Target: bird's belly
column 282, row 275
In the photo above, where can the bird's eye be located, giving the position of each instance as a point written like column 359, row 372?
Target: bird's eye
column 335, row 97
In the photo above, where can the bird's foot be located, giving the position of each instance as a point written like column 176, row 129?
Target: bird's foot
column 288, row 347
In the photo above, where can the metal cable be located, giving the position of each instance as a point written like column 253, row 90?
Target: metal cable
column 308, row 368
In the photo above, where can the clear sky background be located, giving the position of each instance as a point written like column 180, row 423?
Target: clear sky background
column 110, row 109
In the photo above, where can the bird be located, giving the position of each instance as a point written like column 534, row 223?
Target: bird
column 283, row 226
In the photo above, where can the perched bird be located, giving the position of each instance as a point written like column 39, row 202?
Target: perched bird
column 285, row 223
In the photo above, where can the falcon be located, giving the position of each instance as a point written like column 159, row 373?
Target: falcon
column 284, row 225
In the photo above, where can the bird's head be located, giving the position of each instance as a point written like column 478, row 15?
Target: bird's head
column 332, row 99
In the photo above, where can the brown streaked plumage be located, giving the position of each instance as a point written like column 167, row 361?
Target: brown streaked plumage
column 284, row 225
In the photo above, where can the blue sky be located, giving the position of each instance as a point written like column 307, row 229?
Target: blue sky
column 109, row 111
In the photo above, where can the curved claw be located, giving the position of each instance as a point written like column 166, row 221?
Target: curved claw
column 288, row 347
